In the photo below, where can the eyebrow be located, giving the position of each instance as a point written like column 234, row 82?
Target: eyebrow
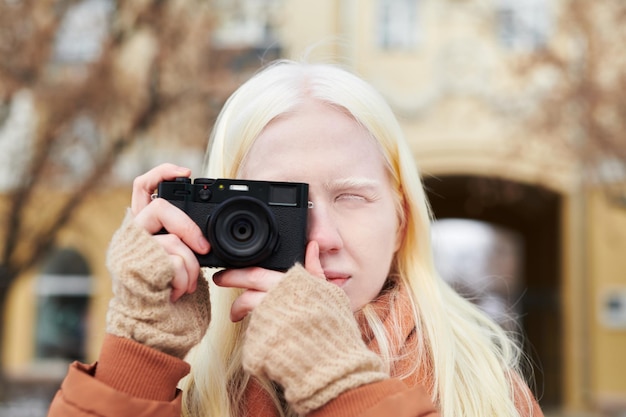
column 351, row 183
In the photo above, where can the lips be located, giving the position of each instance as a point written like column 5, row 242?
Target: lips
column 336, row 278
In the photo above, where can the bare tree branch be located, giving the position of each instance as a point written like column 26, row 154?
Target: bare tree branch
column 586, row 108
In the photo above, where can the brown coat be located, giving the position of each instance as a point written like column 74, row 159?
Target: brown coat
column 132, row 380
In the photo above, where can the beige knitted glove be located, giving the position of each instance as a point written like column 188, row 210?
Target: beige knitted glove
column 141, row 309
column 304, row 336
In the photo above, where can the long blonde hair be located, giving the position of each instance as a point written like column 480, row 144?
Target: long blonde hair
column 475, row 363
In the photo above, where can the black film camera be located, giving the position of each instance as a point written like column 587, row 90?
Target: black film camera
column 247, row 223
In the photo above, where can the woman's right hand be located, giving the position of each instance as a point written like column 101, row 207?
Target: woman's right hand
column 184, row 237
column 160, row 299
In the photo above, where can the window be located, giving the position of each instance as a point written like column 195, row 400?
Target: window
column 523, row 24
column 397, row 25
column 246, row 23
column 82, row 31
column 63, row 290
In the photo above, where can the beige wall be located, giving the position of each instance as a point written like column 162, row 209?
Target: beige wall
column 606, row 230
column 466, row 133
column 89, row 234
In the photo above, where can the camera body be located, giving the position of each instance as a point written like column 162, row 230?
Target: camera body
column 247, row 223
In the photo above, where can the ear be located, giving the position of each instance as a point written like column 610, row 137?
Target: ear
column 403, row 215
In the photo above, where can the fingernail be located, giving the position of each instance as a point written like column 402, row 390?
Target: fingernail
column 204, row 245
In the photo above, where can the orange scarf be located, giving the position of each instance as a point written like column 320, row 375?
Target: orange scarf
column 393, row 308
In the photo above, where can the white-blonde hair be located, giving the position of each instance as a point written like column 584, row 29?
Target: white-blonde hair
column 475, row 364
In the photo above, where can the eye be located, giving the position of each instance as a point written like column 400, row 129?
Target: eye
column 350, row 197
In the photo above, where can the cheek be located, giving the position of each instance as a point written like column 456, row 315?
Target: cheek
column 378, row 242
column 374, row 265
column 375, row 248
column 377, row 236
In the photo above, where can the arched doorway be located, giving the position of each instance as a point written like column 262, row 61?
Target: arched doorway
column 482, row 262
column 534, row 214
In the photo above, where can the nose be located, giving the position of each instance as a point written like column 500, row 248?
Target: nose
column 323, row 228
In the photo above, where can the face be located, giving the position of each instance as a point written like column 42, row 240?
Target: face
column 353, row 220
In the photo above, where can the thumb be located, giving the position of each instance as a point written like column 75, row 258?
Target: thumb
column 312, row 260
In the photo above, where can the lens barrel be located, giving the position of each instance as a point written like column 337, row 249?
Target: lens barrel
column 242, row 231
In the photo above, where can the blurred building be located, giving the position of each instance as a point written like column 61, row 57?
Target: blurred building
column 545, row 249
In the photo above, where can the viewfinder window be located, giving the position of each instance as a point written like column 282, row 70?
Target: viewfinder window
column 282, row 195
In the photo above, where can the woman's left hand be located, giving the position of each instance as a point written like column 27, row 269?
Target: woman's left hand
column 258, row 281
column 303, row 336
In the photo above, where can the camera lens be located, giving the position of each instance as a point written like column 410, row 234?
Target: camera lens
column 242, row 231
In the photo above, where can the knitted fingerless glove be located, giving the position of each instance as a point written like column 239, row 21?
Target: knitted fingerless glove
column 141, row 309
column 304, row 336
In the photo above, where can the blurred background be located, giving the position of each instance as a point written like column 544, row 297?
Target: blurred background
column 515, row 110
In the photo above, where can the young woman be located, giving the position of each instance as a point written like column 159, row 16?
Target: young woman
column 365, row 327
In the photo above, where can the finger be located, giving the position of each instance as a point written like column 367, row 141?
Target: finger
column 312, row 261
column 180, row 282
column 255, row 278
column 144, row 185
column 186, row 273
column 161, row 214
column 245, row 303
